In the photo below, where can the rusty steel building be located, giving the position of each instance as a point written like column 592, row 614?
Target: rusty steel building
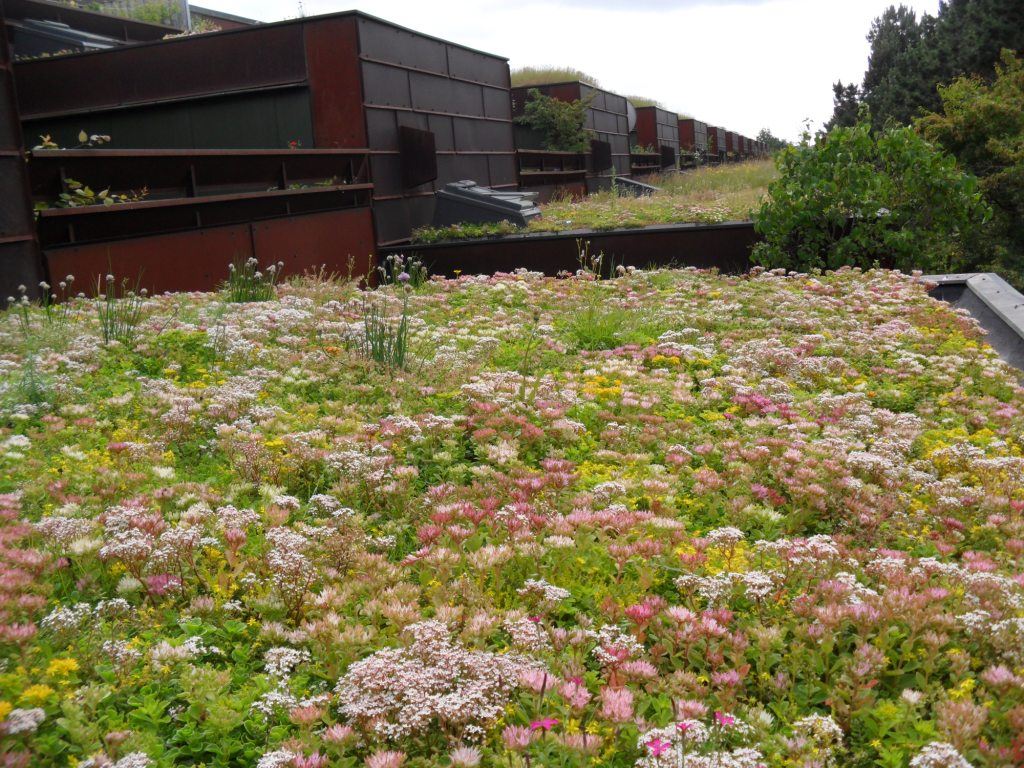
column 607, row 119
column 658, row 129
column 427, row 111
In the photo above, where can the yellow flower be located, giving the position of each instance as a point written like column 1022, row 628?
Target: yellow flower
column 62, row 667
column 5, row 709
column 37, row 694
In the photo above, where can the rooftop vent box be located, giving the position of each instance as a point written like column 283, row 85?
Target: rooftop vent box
column 466, row 202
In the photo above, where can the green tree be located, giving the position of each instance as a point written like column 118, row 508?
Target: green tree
column 982, row 124
column 858, row 197
column 911, row 56
column 772, row 142
column 846, row 105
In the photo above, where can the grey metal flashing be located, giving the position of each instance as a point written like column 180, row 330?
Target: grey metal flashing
column 994, row 303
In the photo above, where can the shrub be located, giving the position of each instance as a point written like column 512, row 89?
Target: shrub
column 983, row 126
column 560, row 124
column 856, row 197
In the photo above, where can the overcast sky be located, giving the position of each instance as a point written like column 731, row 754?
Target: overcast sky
column 741, row 64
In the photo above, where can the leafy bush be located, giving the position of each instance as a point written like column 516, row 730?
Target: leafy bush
column 856, row 197
column 559, row 123
column 983, row 126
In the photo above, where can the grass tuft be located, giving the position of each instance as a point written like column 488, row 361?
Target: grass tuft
column 524, row 76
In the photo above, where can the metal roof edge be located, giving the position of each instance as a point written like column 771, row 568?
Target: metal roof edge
column 264, row 25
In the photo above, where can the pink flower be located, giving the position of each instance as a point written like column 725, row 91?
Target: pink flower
column 517, row 737
column 305, row 715
column 546, row 724
column 617, row 704
column 385, row 759
column 537, row 680
column 465, row 757
column 338, row 734
column 315, row 760
column 575, row 693
column 162, row 583
column 658, row 746
column 723, row 719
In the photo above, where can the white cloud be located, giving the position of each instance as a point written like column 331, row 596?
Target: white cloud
column 742, row 64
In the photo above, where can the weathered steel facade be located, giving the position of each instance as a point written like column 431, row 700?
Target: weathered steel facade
column 20, row 262
column 202, row 210
column 659, row 128
column 552, row 174
column 693, row 137
column 430, row 111
column 607, row 119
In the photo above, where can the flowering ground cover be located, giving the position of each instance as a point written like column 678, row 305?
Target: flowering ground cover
column 672, row 519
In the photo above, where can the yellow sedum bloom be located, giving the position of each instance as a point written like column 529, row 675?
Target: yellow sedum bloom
column 62, row 667
column 37, row 694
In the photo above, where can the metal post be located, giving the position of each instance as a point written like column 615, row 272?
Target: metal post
column 20, row 259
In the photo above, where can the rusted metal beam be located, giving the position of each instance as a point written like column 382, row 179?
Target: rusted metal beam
column 20, row 260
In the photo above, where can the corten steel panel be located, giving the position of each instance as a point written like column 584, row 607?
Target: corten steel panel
column 478, row 135
column 444, row 131
column 403, row 47
column 478, row 67
column 187, row 67
column 386, row 86
column 262, row 120
column 307, row 242
column 335, row 82
column 418, row 155
column 10, row 130
column 396, row 219
column 15, row 213
column 20, row 262
column 656, row 127
column 182, row 261
column 197, row 260
column 386, row 172
column 501, row 168
column 98, row 223
column 458, row 166
column 191, row 173
column 722, row 246
column 382, row 128
column 497, row 104
column 440, row 94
